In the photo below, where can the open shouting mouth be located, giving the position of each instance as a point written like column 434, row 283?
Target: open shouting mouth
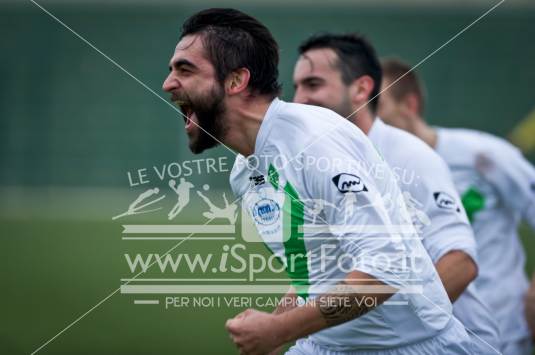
column 188, row 114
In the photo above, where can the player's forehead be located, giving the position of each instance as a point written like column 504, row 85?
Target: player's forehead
column 318, row 62
column 191, row 49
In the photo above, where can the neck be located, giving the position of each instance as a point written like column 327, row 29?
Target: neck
column 426, row 133
column 243, row 123
column 363, row 119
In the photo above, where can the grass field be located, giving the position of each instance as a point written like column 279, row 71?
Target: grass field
column 54, row 270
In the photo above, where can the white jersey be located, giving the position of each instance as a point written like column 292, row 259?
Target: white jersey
column 320, row 206
column 438, row 214
column 497, row 186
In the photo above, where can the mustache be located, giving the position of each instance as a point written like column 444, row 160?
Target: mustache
column 183, row 97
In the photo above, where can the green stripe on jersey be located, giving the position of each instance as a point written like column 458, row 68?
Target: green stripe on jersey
column 294, row 244
column 473, row 202
column 273, row 177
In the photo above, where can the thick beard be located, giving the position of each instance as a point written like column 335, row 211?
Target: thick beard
column 209, row 110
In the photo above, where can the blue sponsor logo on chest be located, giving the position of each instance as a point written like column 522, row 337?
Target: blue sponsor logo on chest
column 266, row 211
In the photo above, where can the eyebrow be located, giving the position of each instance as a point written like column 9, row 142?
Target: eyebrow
column 310, row 79
column 182, row 62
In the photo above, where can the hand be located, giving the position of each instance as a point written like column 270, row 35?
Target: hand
column 255, row 332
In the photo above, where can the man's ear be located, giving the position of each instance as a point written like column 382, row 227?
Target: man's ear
column 237, row 81
column 361, row 89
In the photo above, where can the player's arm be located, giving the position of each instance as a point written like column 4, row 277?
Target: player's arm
column 448, row 238
column 288, row 302
column 256, row 332
column 346, row 301
column 456, row 270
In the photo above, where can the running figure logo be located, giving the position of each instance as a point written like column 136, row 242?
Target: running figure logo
column 183, row 195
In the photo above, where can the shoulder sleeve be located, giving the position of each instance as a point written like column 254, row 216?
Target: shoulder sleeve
column 357, row 215
column 436, row 208
column 239, row 176
column 512, row 176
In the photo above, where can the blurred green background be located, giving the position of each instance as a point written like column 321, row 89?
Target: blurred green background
column 72, row 125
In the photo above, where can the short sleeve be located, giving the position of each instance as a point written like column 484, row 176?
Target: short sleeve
column 512, row 176
column 437, row 210
column 367, row 228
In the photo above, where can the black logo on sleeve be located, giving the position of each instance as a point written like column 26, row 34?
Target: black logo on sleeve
column 349, row 183
column 445, row 201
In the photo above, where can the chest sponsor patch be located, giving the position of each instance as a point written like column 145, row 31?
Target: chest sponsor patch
column 266, row 211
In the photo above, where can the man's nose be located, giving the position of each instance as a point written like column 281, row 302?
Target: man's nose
column 170, row 83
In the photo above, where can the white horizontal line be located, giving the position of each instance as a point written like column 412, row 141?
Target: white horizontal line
column 359, row 238
column 178, row 228
column 179, row 280
column 396, row 303
column 146, row 301
column 358, row 228
column 249, row 289
column 345, row 279
column 178, row 238
column 202, row 289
